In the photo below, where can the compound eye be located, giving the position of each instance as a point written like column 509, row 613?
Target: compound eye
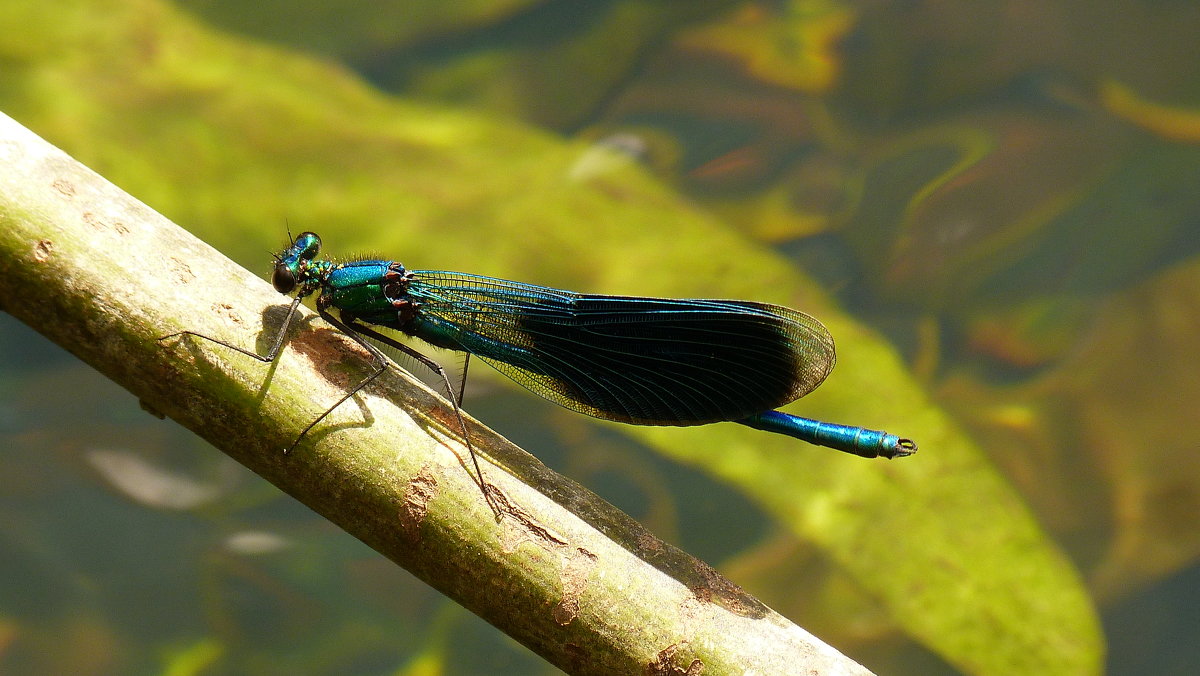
column 283, row 279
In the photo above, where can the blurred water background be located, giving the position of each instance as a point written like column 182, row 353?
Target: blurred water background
column 993, row 205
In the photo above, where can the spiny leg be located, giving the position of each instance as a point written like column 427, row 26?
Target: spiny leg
column 274, row 352
column 377, row 359
column 353, row 329
column 271, row 354
column 356, row 331
column 269, row 357
column 380, row 363
column 462, row 383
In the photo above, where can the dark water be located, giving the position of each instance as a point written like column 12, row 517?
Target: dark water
column 1005, row 194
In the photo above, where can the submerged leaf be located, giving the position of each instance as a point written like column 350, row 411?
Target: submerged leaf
column 234, row 138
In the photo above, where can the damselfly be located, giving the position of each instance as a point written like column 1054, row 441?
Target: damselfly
column 643, row 361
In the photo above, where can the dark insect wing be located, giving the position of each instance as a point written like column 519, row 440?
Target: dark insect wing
column 652, row 361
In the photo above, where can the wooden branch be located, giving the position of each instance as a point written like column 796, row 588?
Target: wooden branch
column 564, row 573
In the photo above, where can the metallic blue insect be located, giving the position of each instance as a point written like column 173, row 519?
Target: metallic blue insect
column 642, row 361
